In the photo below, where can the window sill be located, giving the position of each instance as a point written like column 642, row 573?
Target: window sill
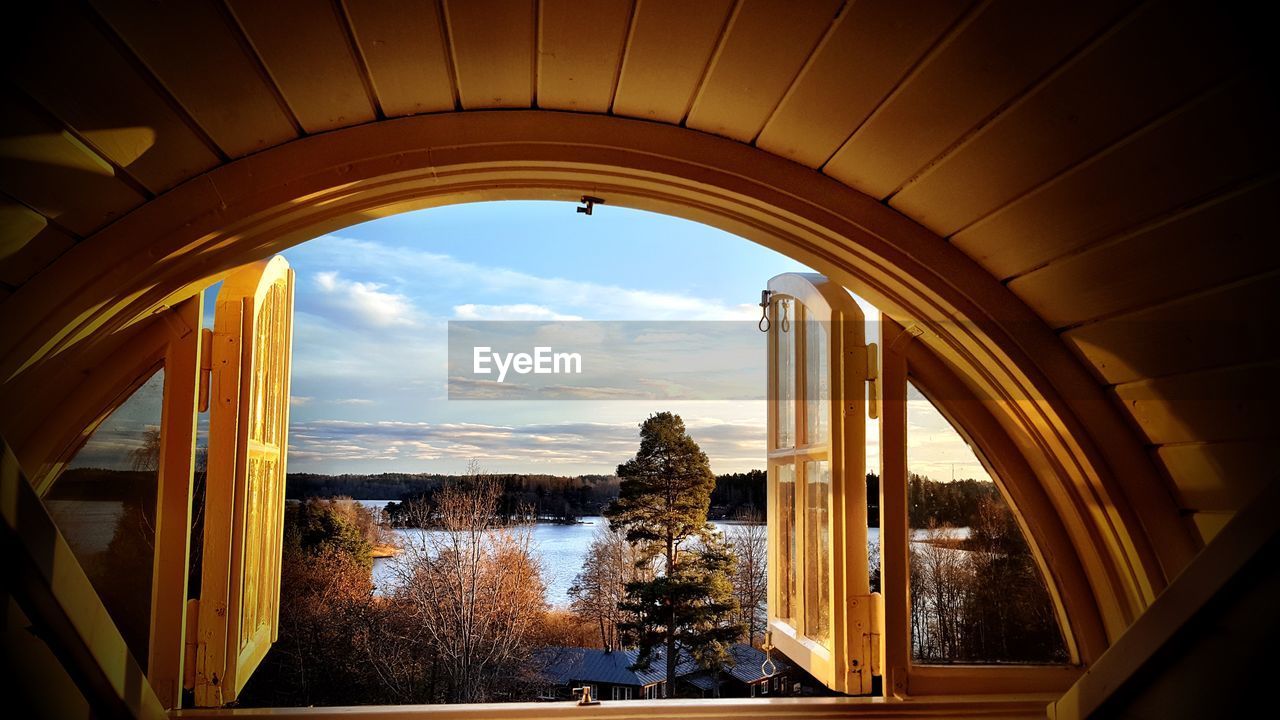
column 976, row 706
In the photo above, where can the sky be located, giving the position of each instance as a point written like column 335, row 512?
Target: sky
column 373, row 302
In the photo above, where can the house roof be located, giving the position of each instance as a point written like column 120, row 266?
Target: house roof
column 563, row 665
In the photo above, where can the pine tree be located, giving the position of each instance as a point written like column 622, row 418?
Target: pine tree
column 662, row 505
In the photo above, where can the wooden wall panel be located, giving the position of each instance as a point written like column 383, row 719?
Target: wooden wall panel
column 101, row 94
column 579, row 51
column 872, row 46
column 1220, row 241
column 304, row 45
column 1223, row 138
column 27, row 242
column 1231, row 404
column 997, row 54
column 765, row 45
column 1157, row 59
column 1218, row 476
column 1209, row 524
column 55, row 174
column 1213, row 329
column 403, row 47
column 667, row 53
column 492, row 44
column 220, row 86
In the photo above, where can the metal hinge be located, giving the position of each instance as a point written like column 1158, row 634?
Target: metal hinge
column 206, row 367
column 189, row 645
column 873, row 381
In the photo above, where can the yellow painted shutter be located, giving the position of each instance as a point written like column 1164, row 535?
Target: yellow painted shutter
column 822, row 615
column 244, row 503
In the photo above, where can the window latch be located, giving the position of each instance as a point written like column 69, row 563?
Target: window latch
column 585, row 696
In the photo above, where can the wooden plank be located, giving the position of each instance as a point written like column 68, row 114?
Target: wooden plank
column 100, row 94
column 52, row 172
column 670, row 45
column 1218, row 476
column 220, row 86
column 403, row 47
column 579, row 51
column 173, row 502
column 1236, row 403
column 994, row 56
column 492, row 43
column 304, row 46
column 866, row 54
column 1211, row 244
column 1195, row 333
column 1221, row 139
column 894, row 550
column 764, row 47
column 1158, row 57
column 19, row 266
column 27, row 242
column 1209, row 524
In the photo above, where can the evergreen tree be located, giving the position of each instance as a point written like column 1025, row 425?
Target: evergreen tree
column 662, row 505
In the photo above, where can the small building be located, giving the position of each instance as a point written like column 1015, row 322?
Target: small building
column 609, row 675
column 606, row 672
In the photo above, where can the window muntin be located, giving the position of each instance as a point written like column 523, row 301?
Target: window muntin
column 817, row 551
column 786, row 508
column 784, row 376
column 104, row 503
column 977, row 594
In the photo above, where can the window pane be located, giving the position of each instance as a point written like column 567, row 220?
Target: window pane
column 817, row 550
column 104, row 504
column 977, row 595
column 786, row 518
column 785, row 372
column 817, row 382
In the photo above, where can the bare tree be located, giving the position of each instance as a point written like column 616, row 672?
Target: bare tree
column 474, row 586
column 748, row 539
column 611, row 562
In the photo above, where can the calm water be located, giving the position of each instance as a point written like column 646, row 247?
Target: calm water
column 562, row 548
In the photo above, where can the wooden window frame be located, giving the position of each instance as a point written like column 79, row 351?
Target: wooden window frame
column 904, row 361
column 853, row 628
column 171, row 341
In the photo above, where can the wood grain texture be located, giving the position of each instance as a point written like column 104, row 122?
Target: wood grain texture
column 402, row 43
column 1212, row 406
column 667, row 53
column 579, row 51
column 1218, row 476
column 492, row 43
column 304, row 46
column 998, row 53
column 764, row 46
column 869, row 50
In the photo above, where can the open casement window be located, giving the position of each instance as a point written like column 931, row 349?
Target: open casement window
column 821, row 613
column 967, row 608
column 114, row 468
column 244, row 500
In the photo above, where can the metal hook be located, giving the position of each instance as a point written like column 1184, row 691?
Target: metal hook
column 768, row 667
column 785, row 325
column 591, row 202
column 764, row 311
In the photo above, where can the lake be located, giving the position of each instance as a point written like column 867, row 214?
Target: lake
column 562, row 548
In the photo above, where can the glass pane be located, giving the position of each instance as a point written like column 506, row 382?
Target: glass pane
column 786, row 518
column 817, row 550
column 817, row 381
column 785, row 372
column 104, row 504
column 977, row 595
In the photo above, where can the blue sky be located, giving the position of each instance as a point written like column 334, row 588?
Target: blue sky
column 373, row 302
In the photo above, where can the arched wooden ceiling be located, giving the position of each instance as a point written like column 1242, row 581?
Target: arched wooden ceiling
column 1111, row 162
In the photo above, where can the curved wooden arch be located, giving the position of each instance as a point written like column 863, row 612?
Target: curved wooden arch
column 1123, row 524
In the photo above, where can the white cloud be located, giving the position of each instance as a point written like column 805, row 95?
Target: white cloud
column 520, row 311
column 365, row 300
column 353, row 401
